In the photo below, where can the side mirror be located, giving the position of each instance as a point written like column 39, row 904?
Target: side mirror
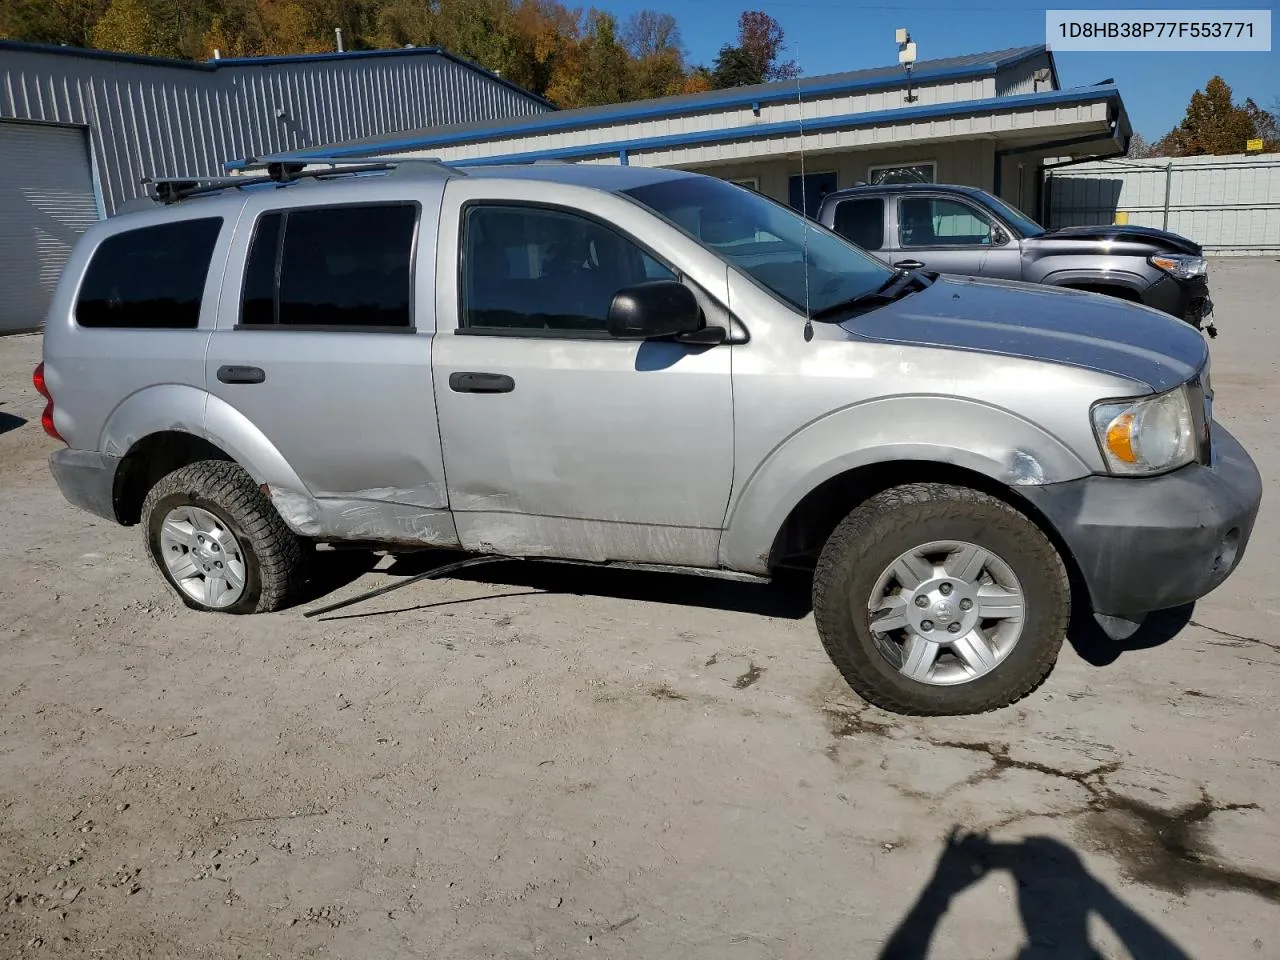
column 659, row 308
column 998, row 237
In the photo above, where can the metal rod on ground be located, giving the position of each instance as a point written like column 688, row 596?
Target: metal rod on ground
column 428, row 575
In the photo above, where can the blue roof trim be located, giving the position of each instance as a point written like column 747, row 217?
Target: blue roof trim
column 654, row 109
column 846, row 121
column 313, row 57
column 89, row 54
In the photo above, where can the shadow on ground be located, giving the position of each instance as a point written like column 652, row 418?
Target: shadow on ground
column 10, row 422
column 787, row 597
column 1096, row 648
column 1057, row 896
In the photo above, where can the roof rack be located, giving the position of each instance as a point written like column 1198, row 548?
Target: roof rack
column 282, row 169
column 296, row 162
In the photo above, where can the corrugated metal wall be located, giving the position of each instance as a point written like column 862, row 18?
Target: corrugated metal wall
column 156, row 119
column 1229, row 205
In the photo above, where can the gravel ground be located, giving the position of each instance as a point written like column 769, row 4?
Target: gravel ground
column 537, row 760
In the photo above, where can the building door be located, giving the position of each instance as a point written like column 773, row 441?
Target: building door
column 806, row 193
column 46, row 202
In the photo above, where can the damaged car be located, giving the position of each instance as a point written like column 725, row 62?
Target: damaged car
column 638, row 367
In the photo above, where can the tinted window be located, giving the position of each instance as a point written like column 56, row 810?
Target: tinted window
column 862, row 221
column 332, row 267
column 527, row 268
column 795, row 259
column 934, row 221
column 258, row 303
column 152, row 277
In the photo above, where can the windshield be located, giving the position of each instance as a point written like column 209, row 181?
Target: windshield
column 1017, row 219
column 766, row 241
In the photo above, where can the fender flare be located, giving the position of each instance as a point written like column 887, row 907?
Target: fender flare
column 176, row 408
column 976, row 436
column 1133, row 282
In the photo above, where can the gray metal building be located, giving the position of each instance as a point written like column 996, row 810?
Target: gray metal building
column 80, row 128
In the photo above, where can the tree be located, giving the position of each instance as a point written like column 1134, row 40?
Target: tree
column 761, row 38
column 1266, row 123
column 1212, row 125
column 755, row 58
column 51, row 21
column 653, row 41
column 1140, row 148
column 126, row 27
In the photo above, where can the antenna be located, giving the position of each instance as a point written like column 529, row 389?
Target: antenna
column 804, row 212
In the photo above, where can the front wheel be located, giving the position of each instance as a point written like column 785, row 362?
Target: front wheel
column 934, row 599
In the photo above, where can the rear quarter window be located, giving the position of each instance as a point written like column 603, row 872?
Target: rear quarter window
column 150, row 278
column 862, row 221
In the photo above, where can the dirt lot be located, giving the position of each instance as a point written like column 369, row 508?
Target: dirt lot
column 533, row 761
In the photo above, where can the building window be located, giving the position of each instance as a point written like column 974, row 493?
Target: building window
column 924, row 172
column 751, row 183
column 348, row 267
column 529, row 270
column 151, row 278
column 938, row 222
column 862, row 221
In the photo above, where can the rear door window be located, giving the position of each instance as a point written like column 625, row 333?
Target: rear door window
column 343, row 267
column 150, row 278
column 862, row 221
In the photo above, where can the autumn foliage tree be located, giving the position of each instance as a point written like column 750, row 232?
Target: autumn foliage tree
column 755, row 57
column 1215, row 125
column 570, row 56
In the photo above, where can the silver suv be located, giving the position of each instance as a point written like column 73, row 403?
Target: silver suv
column 638, row 366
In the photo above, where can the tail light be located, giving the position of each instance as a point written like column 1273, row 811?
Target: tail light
column 37, row 379
column 46, row 418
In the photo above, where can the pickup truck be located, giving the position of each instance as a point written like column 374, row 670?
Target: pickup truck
column 967, row 231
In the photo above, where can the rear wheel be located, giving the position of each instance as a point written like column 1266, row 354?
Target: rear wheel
column 938, row 599
column 218, row 541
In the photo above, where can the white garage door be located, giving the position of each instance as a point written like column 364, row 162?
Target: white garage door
column 46, row 202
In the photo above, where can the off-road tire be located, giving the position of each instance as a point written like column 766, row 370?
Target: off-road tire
column 899, row 519
column 275, row 565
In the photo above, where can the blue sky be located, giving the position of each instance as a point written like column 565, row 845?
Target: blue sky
column 827, row 36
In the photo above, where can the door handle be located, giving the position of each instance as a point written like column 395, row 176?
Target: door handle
column 909, row 264
column 236, row 374
column 481, row 383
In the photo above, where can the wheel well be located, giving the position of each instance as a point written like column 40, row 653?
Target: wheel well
column 151, row 458
column 812, row 521
column 1117, row 290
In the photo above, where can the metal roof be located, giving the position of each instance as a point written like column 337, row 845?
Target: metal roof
column 948, row 68
column 1077, row 95
column 225, row 63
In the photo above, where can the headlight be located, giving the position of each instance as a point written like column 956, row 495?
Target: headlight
column 1180, row 265
column 1146, row 436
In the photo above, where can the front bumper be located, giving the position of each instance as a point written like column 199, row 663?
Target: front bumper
column 1185, row 299
column 87, row 479
column 1150, row 543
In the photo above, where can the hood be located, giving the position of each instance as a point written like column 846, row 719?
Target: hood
column 1158, row 238
column 1056, row 325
